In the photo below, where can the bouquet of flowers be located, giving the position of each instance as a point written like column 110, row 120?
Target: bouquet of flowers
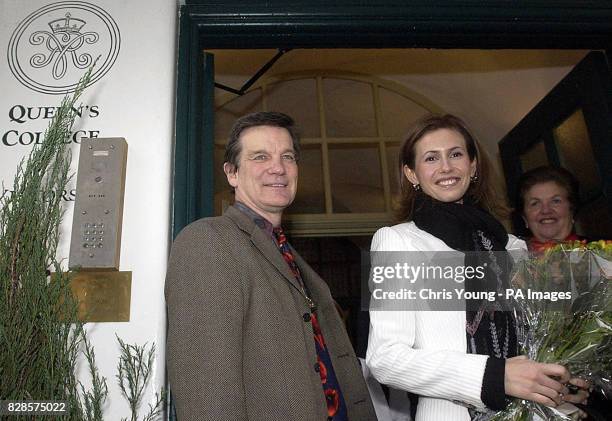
column 564, row 316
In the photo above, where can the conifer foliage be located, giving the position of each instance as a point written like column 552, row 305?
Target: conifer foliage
column 40, row 340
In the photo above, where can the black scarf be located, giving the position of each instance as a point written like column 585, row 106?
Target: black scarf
column 490, row 328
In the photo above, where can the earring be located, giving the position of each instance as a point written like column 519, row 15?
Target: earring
column 416, row 187
column 474, row 178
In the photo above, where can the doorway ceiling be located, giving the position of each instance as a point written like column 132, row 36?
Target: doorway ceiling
column 491, row 89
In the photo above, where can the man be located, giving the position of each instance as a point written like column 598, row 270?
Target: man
column 253, row 333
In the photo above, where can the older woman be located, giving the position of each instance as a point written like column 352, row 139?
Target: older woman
column 454, row 360
column 548, row 200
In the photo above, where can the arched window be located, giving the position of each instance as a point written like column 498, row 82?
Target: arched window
column 351, row 126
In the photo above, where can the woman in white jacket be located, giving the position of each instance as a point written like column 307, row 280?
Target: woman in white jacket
column 460, row 363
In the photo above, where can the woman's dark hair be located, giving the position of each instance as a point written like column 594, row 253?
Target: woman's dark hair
column 482, row 191
column 544, row 174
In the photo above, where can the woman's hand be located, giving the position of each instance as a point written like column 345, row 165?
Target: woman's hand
column 538, row 382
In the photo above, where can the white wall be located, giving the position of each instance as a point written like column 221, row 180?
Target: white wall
column 135, row 100
column 491, row 103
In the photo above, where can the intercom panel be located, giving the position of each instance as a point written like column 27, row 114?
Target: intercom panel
column 98, row 211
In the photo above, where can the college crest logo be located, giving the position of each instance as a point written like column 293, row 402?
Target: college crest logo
column 52, row 48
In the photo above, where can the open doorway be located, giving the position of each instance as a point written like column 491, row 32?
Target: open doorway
column 353, row 107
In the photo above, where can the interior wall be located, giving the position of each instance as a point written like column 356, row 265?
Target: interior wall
column 134, row 98
column 490, row 89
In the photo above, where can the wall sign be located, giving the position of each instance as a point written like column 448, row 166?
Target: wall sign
column 50, row 49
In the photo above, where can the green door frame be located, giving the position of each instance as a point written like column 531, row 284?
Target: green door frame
column 558, row 24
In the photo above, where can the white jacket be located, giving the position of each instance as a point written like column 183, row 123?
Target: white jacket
column 424, row 352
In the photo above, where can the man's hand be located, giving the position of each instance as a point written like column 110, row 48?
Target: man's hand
column 582, row 393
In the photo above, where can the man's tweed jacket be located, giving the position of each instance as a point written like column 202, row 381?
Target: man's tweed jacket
column 240, row 346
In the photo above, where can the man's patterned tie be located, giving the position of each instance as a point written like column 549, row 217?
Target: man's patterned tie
column 283, row 246
column 336, row 407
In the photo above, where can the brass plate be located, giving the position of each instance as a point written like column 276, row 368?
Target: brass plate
column 103, row 296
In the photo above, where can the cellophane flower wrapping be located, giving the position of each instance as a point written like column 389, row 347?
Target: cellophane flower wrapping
column 576, row 332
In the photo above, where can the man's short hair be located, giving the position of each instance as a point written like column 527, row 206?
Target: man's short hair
column 261, row 118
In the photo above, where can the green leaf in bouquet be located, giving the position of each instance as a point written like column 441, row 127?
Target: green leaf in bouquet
column 577, row 334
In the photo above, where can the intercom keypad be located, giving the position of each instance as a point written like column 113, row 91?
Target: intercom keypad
column 96, row 227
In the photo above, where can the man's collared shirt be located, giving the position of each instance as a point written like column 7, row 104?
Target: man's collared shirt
column 259, row 220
